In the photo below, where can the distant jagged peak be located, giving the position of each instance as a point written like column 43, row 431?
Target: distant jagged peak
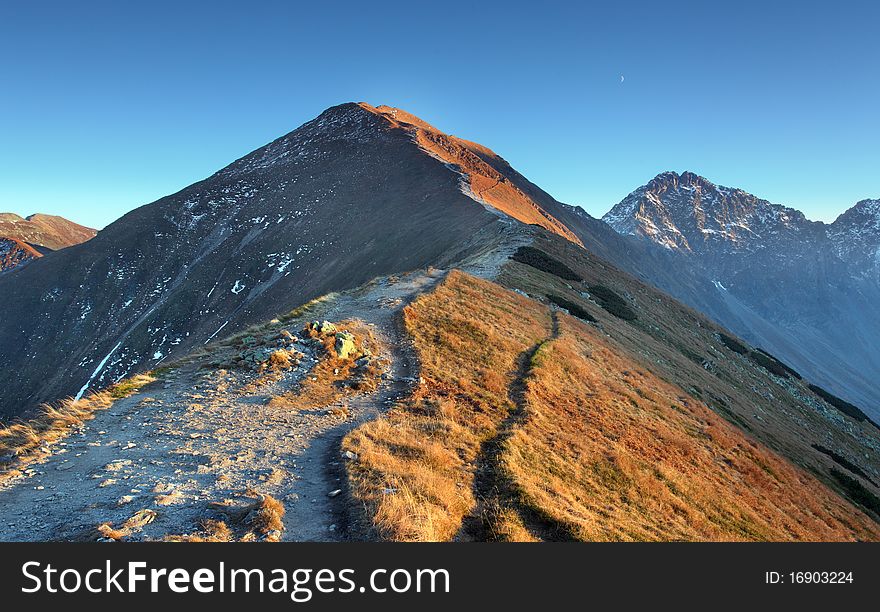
column 692, row 182
column 689, row 212
column 855, row 237
column 865, row 213
column 687, row 179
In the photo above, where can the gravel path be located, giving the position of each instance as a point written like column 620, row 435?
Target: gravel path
column 205, row 435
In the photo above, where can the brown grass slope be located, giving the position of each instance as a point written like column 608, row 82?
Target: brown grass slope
column 609, row 452
column 14, row 252
column 600, row 448
column 416, row 465
column 685, row 349
column 44, row 230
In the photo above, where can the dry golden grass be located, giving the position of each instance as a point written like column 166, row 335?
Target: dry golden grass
column 169, row 499
column 105, row 530
column 266, row 516
column 415, row 466
column 602, row 449
column 263, row 517
column 134, row 523
column 610, row 452
column 280, row 360
column 332, row 378
column 211, row 531
column 308, row 308
column 23, row 440
column 682, row 347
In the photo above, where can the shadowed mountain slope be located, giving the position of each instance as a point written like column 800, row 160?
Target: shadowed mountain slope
column 342, row 199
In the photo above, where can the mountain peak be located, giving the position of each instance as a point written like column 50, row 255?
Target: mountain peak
column 484, row 179
column 50, row 231
column 482, row 175
column 24, row 239
column 855, row 236
column 398, row 115
column 671, row 177
column 689, row 212
column 690, row 181
column 864, row 210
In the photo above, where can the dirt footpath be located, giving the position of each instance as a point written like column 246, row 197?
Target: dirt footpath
column 200, row 436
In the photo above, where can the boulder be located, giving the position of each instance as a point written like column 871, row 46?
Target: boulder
column 321, row 327
column 257, row 356
column 344, row 345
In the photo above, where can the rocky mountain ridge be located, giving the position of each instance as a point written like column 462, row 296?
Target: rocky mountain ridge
column 805, row 290
column 687, row 212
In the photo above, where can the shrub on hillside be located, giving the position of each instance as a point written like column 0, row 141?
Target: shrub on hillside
column 856, row 491
column 540, row 260
column 843, row 462
column 768, row 363
column 759, row 357
column 779, row 364
column 844, row 406
column 733, row 344
column 573, row 309
column 612, row 302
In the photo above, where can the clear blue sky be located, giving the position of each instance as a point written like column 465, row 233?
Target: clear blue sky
column 105, row 106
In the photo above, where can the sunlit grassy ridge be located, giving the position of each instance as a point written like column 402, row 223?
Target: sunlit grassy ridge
column 545, row 436
column 610, row 452
column 416, row 464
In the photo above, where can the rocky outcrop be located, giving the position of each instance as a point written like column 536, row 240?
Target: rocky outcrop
column 344, row 345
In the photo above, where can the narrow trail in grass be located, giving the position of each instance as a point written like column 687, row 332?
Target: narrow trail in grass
column 385, row 312
column 492, row 488
column 204, row 435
